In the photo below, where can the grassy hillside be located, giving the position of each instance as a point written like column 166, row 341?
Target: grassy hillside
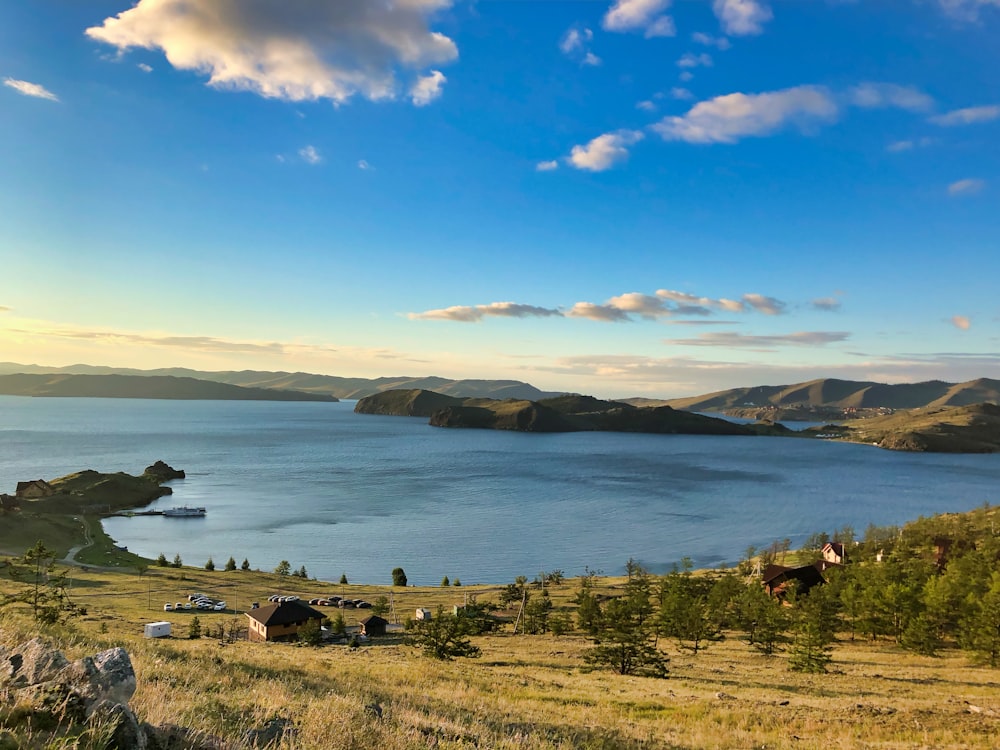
column 134, row 386
column 847, row 394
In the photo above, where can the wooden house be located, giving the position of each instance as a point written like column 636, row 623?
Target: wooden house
column 373, row 625
column 778, row 579
column 280, row 621
column 34, row 489
column 834, row 552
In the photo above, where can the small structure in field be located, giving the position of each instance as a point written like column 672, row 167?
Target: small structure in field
column 280, row 621
column 157, row 630
column 34, row 490
column 833, row 552
column 422, row 613
column 778, row 579
column 373, row 625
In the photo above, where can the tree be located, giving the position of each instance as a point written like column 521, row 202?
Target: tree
column 45, row 588
column 560, row 623
column 684, row 611
column 762, row 617
column 301, row 572
column 284, row 568
column 445, row 581
column 381, row 605
column 311, row 634
column 456, row 582
column 813, row 633
column 230, row 564
column 443, row 637
column 588, row 609
column 177, row 563
column 343, row 579
column 338, row 626
column 536, row 614
column 210, row 564
column 625, row 637
column 398, row 577
column 162, row 560
column 245, row 565
column 981, row 630
column 194, row 628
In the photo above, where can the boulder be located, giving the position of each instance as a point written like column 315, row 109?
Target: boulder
column 31, row 663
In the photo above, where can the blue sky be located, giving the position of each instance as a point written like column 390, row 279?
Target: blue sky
column 628, row 197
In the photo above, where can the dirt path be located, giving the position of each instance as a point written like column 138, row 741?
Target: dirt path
column 70, row 558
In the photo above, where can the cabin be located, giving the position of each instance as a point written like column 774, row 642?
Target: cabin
column 834, row 552
column 778, row 579
column 373, row 625
column 280, row 621
column 422, row 614
column 34, row 490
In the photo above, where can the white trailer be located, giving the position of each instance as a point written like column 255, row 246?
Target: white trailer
column 422, row 614
column 157, row 630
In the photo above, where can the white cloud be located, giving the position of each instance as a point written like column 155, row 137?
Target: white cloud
column 364, row 165
column 640, row 15
column 604, row 151
column 575, row 40
column 961, row 322
column 602, row 313
column 826, row 303
column 968, row 186
column 428, row 88
column 310, row 155
column 967, row 116
column 686, row 75
column 719, row 42
column 591, row 59
column 475, row 313
column 897, row 147
column 742, row 17
column 681, row 93
column 766, row 305
column 732, row 339
column 145, row 68
column 314, row 49
column 30, row 89
column 646, row 106
column 883, row 95
column 727, row 119
column 691, row 60
column 546, row 166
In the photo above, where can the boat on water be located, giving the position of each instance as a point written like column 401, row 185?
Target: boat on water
column 184, row 512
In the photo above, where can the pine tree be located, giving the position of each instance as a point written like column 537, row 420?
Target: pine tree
column 177, row 563
column 813, row 634
column 194, row 628
column 230, row 564
column 445, row 581
column 245, row 565
column 210, row 564
column 283, row 568
column 162, row 560
column 343, row 579
column 981, row 631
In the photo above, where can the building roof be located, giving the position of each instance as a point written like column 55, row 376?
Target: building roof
column 40, row 483
column 284, row 613
column 837, row 547
column 374, row 620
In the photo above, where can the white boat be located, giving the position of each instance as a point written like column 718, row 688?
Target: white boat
column 184, row 512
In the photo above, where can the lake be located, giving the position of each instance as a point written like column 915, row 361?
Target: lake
column 338, row 492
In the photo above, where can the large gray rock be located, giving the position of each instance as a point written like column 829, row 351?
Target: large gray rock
column 124, row 731
column 31, row 663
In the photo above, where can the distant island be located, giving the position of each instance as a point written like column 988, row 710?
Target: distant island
column 569, row 413
column 135, row 386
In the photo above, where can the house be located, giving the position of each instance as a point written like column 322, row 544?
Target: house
column 834, row 552
column 373, row 625
column 422, row 614
column 280, row 621
column 778, row 579
column 34, row 489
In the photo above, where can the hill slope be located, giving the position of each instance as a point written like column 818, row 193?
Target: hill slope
column 134, row 386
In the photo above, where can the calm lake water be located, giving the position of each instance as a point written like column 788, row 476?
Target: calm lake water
column 320, row 486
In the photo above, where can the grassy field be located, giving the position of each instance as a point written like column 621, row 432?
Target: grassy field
column 524, row 691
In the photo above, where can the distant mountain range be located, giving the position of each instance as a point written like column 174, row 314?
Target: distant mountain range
column 841, row 394
column 134, row 386
column 326, row 385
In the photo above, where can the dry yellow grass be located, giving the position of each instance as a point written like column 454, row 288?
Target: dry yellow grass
column 524, row 692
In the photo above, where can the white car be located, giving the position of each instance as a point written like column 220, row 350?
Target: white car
column 187, row 605
column 168, row 607
column 220, row 606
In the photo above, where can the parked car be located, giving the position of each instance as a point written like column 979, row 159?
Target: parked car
column 187, row 605
column 274, row 597
column 314, row 601
column 219, row 607
column 363, row 605
column 168, row 607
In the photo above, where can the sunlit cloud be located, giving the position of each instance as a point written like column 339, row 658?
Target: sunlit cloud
column 729, row 118
column 968, row 186
column 603, row 313
column 475, row 313
column 691, row 60
column 961, row 322
column 640, row 15
column 967, row 116
column 145, row 68
column 742, row 17
column 763, row 304
column 828, row 304
column 310, row 155
column 733, row 340
column 719, row 42
column 604, row 151
column 321, row 50
column 27, row 88
column 575, row 44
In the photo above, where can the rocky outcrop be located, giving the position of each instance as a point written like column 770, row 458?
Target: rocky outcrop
column 92, row 692
column 163, row 472
column 406, row 403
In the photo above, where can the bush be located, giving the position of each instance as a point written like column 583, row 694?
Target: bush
column 398, row 577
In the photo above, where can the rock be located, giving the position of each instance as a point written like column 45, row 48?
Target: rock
column 271, row 734
column 124, row 732
column 31, row 663
column 374, row 709
column 116, row 678
column 163, row 472
column 724, row 696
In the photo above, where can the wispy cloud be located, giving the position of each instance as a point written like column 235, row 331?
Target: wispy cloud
column 575, row 44
column 640, row 15
column 310, row 155
column 961, row 322
column 680, row 93
column 26, row 88
column 719, row 42
column 967, row 10
column 898, row 147
column 4, row 309
column 729, row 118
column 764, row 304
column 145, row 68
column 647, row 105
column 547, row 166
column 427, row 88
column 364, row 165
column 828, row 304
column 884, row 95
column 475, row 313
column 968, row 186
column 603, row 313
column 742, row 17
column 967, row 116
column 733, row 340
column 604, row 151
column 692, row 60
column 323, row 50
